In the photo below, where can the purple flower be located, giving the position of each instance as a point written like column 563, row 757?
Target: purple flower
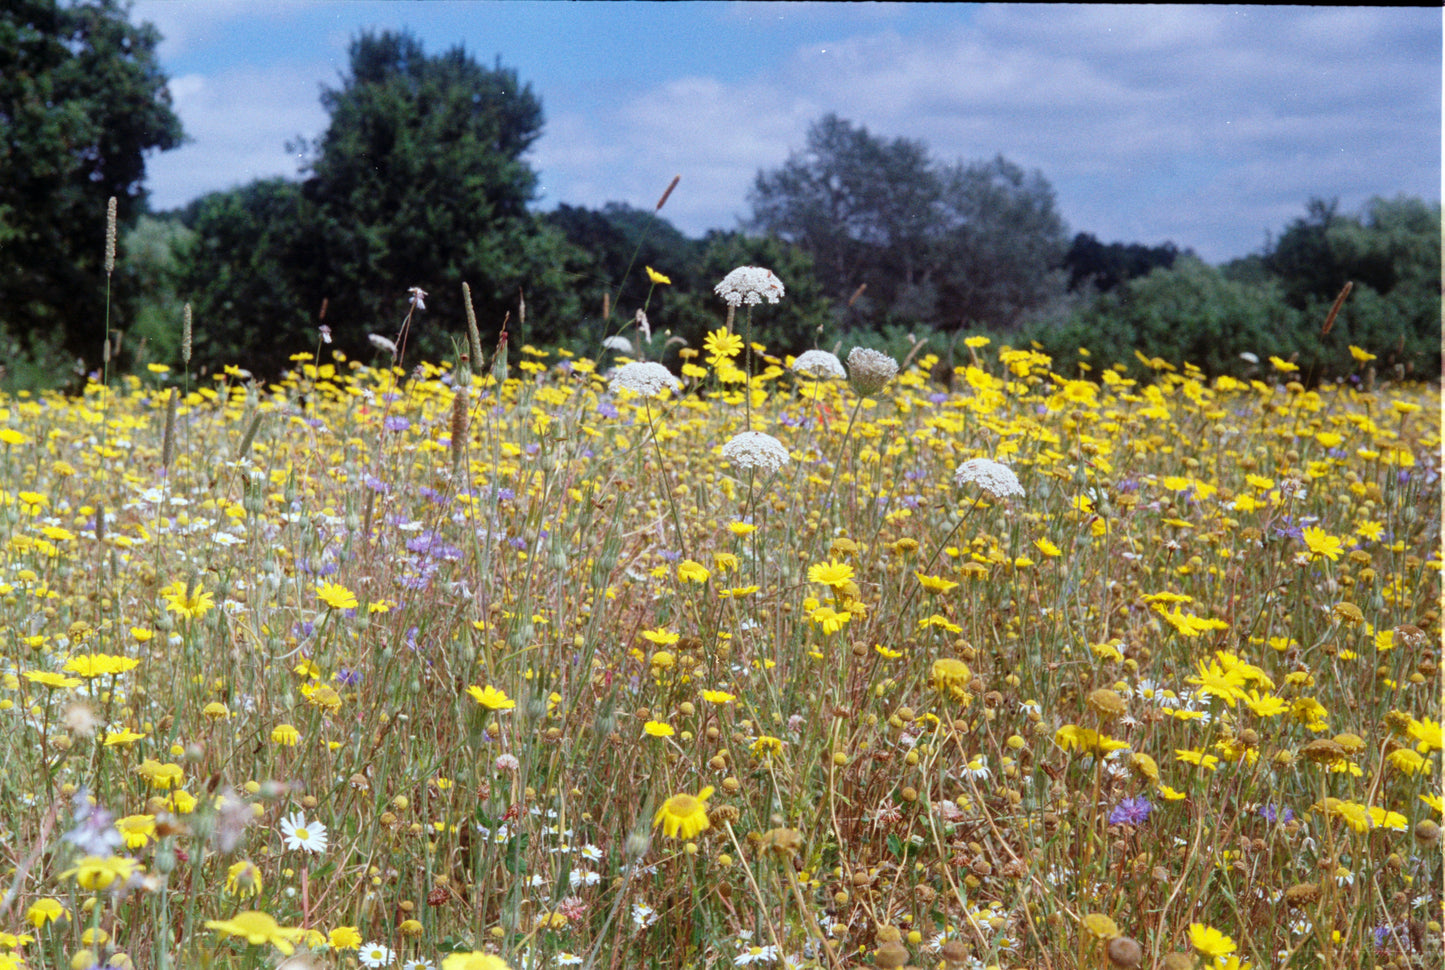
column 1272, row 814
column 347, row 677
column 396, row 424
column 1131, row 811
column 606, row 410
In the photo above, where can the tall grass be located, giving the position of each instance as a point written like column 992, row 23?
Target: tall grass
column 562, row 685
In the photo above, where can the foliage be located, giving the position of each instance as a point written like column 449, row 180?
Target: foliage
column 1091, row 263
column 941, row 246
column 419, row 180
column 82, row 99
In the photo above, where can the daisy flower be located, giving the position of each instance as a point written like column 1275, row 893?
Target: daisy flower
column 375, row 955
column 309, row 837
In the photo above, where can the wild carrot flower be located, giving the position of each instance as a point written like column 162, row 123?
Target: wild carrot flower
column 995, row 478
column 819, row 365
column 684, row 816
column 870, row 371
column 749, row 285
column 308, row 837
column 755, row 450
column 647, row 378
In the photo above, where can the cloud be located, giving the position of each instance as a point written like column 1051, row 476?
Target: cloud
column 1203, row 125
column 238, row 123
column 1207, row 126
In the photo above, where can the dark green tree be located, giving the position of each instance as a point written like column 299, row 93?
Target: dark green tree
column 418, row 180
column 82, row 100
column 1103, row 266
column 899, row 240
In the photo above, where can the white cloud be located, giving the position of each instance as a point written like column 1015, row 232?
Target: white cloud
column 1205, row 125
column 238, row 123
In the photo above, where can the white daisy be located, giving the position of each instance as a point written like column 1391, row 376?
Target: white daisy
column 300, row 834
column 375, row 955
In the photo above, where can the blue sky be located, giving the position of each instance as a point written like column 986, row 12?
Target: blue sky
column 1208, row 126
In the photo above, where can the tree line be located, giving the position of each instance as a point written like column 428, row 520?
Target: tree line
column 420, row 179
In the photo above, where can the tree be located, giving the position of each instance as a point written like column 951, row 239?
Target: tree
column 1103, row 266
column 82, row 100
column 898, row 239
column 418, row 180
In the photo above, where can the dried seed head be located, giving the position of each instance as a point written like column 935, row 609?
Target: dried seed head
column 186, row 335
column 870, row 371
column 1106, row 703
column 110, row 236
column 1125, row 952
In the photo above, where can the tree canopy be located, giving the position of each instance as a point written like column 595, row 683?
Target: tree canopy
column 898, row 238
column 418, row 180
column 82, row 100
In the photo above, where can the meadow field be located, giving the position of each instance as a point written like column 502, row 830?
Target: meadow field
column 531, row 660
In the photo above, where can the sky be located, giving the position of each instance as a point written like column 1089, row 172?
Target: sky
column 1207, row 126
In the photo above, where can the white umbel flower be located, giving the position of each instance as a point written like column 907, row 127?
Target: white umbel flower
column 644, row 377
column 993, row 477
column 819, row 365
column 749, row 285
column 754, row 449
column 870, row 371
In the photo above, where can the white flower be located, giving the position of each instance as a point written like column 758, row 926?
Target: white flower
column 643, row 915
column 375, row 955
column 618, row 343
column 646, row 377
column 566, row 959
column 993, row 477
column 977, row 767
column 754, row 449
column 381, row 343
column 756, row 954
column 507, row 762
column 418, row 965
column 303, row 835
column 418, row 297
column 819, row 364
column 870, row 371
column 749, row 285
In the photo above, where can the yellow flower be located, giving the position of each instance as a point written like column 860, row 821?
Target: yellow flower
column 258, row 928
column 950, row 675
column 162, row 776
column 1361, row 355
column 657, row 278
column 1048, row 548
column 243, row 879
column 491, row 698
column 190, row 602
column 1321, row 543
column 718, row 697
column 10, row 436
column 833, row 573
column 336, row 596
column 1283, row 366
column 46, row 678
column 692, row 572
column 661, row 636
column 137, row 830
column 97, row 664
column 474, row 961
column 684, row 816
column 722, row 345
column 935, row 584
column 1086, row 741
column 93, row 872
column 742, row 528
column 658, row 729
column 1209, row 941
column 45, row 911
column 767, row 745
column 1196, row 758
column 285, row 735
column 344, row 938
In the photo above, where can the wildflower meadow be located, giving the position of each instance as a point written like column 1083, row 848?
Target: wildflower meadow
column 721, row 658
